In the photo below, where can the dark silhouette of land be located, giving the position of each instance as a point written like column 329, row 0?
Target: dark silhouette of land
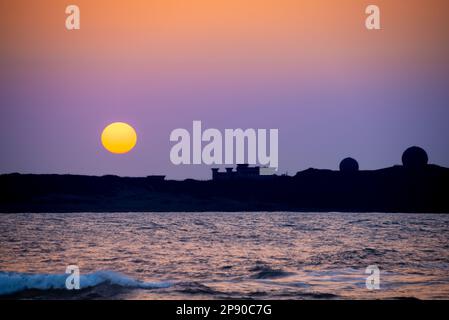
column 414, row 186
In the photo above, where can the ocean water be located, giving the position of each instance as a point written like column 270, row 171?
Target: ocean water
column 224, row 255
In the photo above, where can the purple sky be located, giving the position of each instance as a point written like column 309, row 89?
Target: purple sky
column 368, row 100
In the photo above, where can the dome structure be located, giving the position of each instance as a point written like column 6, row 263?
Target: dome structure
column 349, row 165
column 414, row 158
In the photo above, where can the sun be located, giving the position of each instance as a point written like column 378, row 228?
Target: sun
column 119, row 137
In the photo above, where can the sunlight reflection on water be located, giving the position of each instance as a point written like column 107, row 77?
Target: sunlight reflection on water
column 237, row 255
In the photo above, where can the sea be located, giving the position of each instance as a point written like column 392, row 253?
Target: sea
column 220, row 255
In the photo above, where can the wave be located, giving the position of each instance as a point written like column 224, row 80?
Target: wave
column 265, row 272
column 15, row 282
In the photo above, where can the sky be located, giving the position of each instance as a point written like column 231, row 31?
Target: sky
column 309, row 68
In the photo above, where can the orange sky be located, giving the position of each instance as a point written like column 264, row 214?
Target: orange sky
column 307, row 67
column 231, row 33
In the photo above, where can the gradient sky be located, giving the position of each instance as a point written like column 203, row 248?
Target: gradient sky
column 307, row 67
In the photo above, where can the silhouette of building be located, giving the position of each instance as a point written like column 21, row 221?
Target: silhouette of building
column 155, row 178
column 414, row 158
column 349, row 165
column 243, row 171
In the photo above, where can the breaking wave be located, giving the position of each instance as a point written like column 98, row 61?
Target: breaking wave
column 15, row 282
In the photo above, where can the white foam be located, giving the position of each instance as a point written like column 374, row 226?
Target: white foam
column 13, row 282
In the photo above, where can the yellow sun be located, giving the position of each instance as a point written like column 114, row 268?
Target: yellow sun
column 119, row 137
